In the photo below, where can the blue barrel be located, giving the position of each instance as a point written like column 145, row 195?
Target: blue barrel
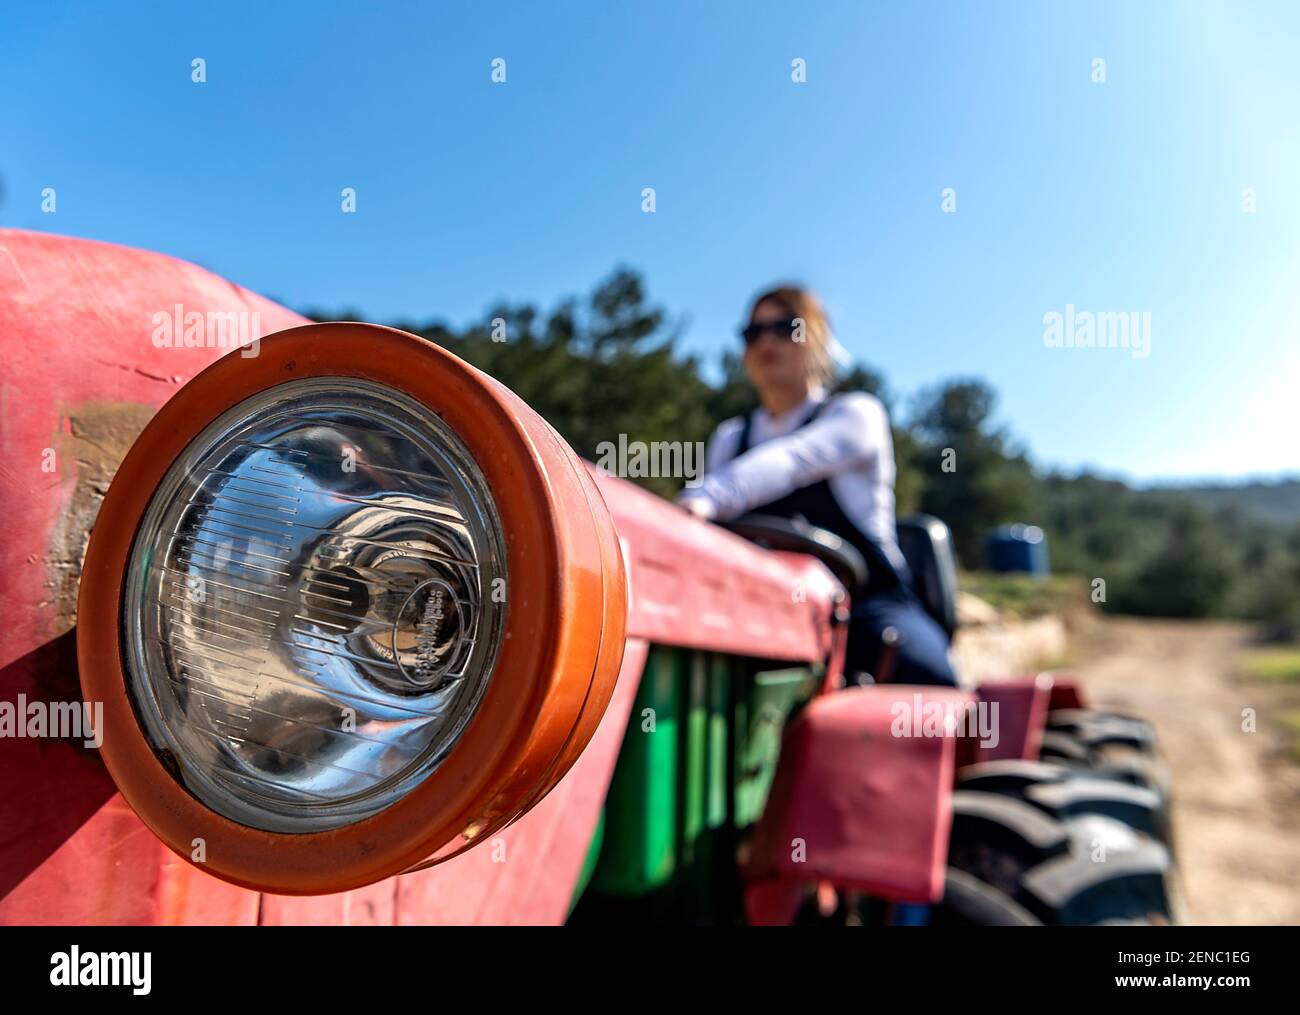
column 1017, row 548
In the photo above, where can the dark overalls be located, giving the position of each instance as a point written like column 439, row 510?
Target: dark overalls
column 921, row 655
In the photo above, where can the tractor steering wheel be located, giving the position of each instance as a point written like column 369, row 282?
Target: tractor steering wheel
column 796, row 535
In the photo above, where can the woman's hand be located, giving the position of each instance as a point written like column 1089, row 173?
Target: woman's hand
column 697, row 504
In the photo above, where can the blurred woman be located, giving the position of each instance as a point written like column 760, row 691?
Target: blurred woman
column 830, row 460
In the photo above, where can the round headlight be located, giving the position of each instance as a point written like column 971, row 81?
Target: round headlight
column 309, row 615
column 350, row 606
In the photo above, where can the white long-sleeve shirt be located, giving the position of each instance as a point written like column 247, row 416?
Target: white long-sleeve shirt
column 849, row 444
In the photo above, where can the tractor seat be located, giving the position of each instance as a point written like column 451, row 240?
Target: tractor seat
column 927, row 547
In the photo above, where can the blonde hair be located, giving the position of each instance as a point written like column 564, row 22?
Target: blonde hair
column 803, row 304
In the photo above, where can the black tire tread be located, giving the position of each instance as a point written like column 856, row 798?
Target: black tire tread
column 968, row 900
column 1137, row 807
column 1025, row 829
column 1008, row 775
column 1075, row 888
column 1059, row 744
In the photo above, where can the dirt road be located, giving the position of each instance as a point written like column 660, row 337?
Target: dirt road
column 1236, row 795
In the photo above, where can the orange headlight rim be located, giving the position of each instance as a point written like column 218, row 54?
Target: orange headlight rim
column 565, row 611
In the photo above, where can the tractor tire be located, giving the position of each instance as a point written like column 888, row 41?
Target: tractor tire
column 1116, row 746
column 1081, row 836
column 1081, row 869
column 970, row 902
column 1058, row 744
column 1114, row 759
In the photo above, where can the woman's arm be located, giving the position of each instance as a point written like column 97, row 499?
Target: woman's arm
column 850, row 432
column 720, row 450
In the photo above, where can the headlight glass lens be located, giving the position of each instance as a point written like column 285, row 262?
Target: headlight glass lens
column 314, row 604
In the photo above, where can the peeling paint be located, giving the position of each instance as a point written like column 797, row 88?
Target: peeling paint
column 92, row 440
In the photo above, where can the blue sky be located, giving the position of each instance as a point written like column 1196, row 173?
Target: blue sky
column 1114, row 197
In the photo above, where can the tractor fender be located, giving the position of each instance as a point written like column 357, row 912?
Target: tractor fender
column 1017, row 712
column 861, row 799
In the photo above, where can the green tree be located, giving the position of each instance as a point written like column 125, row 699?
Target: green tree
column 1188, row 574
column 974, row 478
column 607, row 364
column 595, row 369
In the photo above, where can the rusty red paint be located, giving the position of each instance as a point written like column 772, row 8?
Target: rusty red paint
column 694, row 585
column 81, row 377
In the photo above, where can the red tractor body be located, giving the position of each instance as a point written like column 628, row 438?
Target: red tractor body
column 850, row 801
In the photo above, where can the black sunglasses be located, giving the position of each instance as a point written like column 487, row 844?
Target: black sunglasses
column 778, row 329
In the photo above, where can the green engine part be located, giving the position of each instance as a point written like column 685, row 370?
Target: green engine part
column 694, row 772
